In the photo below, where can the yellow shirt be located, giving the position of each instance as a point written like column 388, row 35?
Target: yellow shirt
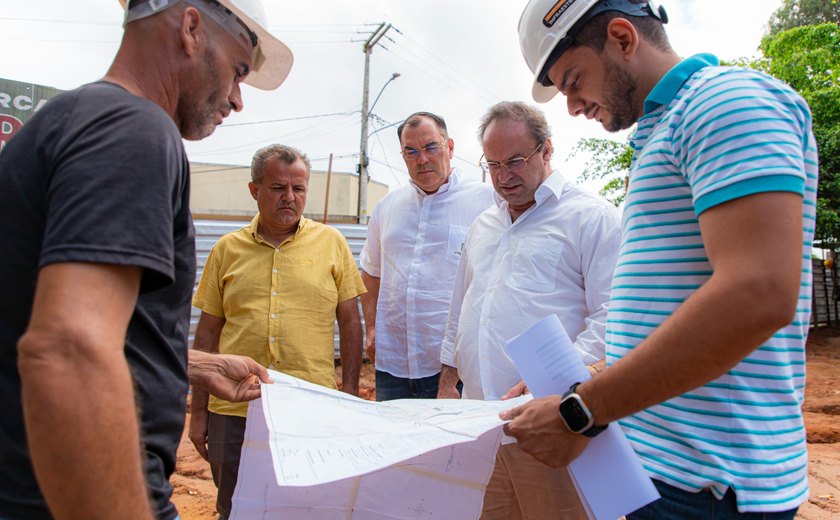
column 279, row 303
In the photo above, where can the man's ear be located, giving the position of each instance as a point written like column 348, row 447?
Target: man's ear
column 548, row 149
column 253, row 188
column 190, row 29
column 622, row 38
column 450, row 144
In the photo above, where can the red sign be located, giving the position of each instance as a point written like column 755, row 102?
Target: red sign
column 9, row 125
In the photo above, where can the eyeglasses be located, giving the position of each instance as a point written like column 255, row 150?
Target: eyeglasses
column 429, row 149
column 515, row 165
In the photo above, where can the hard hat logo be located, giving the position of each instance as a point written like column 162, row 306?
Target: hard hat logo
column 271, row 59
column 556, row 12
column 547, row 28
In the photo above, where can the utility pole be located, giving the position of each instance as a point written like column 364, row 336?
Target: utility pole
column 327, row 196
column 363, row 158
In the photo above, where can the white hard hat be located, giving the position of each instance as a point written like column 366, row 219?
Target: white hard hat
column 271, row 59
column 547, row 28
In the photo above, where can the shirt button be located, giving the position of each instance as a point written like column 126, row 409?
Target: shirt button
column 272, row 339
column 273, row 316
column 274, row 270
column 277, row 250
column 274, row 293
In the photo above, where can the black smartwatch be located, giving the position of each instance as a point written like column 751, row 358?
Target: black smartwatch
column 576, row 415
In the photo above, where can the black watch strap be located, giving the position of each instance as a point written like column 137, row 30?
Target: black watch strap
column 592, row 430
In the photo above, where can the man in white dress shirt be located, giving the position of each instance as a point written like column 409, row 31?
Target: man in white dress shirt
column 414, row 242
column 546, row 247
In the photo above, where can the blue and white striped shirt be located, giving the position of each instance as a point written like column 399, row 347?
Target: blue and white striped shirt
column 712, row 134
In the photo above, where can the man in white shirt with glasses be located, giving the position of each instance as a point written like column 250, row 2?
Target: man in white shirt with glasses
column 414, row 242
column 546, row 247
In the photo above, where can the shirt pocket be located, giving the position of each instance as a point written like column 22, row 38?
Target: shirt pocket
column 534, row 265
column 310, row 279
column 455, row 243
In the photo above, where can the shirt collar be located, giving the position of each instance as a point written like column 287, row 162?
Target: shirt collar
column 253, row 228
column 552, row 185
column 667, row 87
column 254, row 225
column 450, row 183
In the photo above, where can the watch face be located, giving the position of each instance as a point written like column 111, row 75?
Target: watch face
column 576, row 416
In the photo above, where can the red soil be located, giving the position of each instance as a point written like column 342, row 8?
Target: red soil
column 195, row 493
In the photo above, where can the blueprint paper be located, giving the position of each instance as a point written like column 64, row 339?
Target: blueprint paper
column 608, row 475
column 315, row 453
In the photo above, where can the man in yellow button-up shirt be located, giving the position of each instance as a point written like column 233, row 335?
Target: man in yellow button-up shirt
column 272, row 291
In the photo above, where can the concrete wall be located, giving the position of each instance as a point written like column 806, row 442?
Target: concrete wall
column 223, row 190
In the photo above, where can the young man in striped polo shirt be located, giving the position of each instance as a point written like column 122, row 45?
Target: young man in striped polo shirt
column 710, row 300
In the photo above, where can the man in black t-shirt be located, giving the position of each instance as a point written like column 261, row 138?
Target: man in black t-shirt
column 98, row 265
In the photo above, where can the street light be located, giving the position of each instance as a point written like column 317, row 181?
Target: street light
column 363, row 158
column 392, row 78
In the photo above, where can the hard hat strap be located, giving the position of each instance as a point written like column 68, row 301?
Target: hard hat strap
column 625, row 7
column 218, row 12
column 146, row 9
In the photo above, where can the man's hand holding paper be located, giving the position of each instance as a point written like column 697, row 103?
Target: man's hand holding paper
column 538, row 429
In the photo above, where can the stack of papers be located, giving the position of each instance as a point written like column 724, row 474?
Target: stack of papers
column 311, row 452
column 608, row 475
column 315, row 453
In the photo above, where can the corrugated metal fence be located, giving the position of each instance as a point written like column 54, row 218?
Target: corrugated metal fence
column 208, row 232
column 825, row 308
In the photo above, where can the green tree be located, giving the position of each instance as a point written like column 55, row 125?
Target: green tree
column 808, row 59
column 606, row 160
column 798, row 13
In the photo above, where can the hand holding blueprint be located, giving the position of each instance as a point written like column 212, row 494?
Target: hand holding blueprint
column 608, row 475
column 312, row 452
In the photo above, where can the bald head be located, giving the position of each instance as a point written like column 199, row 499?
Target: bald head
column 182, row 57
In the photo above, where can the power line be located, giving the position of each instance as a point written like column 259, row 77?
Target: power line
column 318, row 158
column 445, row 63
column 299, row 135
column 309, row 31
column 276, row 26
column 437, row 73
column 287, row 119
column 45, row 20
column 42, row 40
column 383, row 163
column 287, row 27
column 38, row 40
column 467, row 161
column 387, row 163
column 229, row 168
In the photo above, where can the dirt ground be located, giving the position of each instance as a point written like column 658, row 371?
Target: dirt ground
column 195, row 493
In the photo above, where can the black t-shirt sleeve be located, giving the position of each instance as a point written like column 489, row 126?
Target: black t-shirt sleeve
column 114, row 188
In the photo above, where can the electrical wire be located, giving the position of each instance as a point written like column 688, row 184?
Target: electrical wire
column 266, row 121
column 438, row 75
column 445, row 63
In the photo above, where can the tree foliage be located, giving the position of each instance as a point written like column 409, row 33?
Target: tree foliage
column 607, row 160
column 799, row 13
column 808, row 59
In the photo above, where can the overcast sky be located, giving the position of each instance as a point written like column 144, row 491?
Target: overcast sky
column 455, row 57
